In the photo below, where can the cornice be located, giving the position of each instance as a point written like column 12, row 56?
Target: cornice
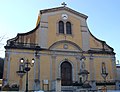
column 25, row 48
column 100, row 52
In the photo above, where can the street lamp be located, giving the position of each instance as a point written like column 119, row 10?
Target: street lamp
column 27, row 65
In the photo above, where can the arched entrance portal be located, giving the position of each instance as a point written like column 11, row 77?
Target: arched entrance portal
column 66, row 74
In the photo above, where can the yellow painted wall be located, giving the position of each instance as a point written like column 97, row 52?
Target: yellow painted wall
column 14, row 67
column 53, row 35
column 94, row 43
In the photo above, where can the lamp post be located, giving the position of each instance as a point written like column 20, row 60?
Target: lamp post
column 27, row 68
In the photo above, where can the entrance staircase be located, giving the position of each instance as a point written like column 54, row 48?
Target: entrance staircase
column 67, row 89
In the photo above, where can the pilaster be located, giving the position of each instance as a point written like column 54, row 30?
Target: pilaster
column 92, row 72
column 114, row 73
column 37, row 72
column 53, row 69
column 77, row 67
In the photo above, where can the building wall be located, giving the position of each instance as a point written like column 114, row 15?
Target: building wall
column 46, row 36
column 50, row 67
column 118, row 77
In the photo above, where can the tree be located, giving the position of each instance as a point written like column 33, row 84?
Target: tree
column 1, row 67
column 1, row 39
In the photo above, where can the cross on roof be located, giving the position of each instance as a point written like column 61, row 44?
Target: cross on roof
column 64, row 4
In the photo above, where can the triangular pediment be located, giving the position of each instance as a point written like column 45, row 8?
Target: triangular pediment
column 63, row 8
column 65, row 46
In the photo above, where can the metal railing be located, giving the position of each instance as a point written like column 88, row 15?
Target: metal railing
column 19, row 44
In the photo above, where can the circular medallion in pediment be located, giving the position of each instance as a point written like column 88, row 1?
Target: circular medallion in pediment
column 64, row 16
column 65, row 46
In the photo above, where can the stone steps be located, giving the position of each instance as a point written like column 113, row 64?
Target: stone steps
column 67, row 89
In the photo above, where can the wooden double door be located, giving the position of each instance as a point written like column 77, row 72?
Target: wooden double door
column 66, row 74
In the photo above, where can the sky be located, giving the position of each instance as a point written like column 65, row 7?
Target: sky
column 20, row 16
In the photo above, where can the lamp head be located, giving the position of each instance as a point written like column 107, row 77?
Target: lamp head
column 83, row 58
column 21, row 60
column 33, row 61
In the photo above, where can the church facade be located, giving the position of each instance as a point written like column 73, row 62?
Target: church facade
column 62, row 46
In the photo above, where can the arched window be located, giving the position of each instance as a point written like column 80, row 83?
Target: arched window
column 61, row 27
column 68, row 28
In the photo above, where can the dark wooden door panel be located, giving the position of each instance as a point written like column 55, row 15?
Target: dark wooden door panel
column 66, row 74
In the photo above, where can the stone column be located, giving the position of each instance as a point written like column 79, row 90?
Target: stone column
column 21, row 82
column 58, row 85
column 37, row 72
